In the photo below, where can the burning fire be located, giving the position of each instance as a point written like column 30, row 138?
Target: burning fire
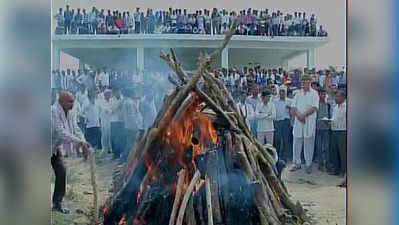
column 123, row 221
column 194, row 129
column 184, row 140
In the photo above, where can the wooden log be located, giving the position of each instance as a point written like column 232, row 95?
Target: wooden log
column 140, row 150
column 209, row 201
column 274, row 212
column 226, row 100
column 262, row 203
column 272, row 195
column 186, row 197
column 189, row 218
column 200, row 205
column 277, row 187
column 173, row 81
column 154, row 208
column 94, row 187
column 189, row 101
column 216, row 108
column 248, row 150
column 179, row 188
column 213, row 87
column 181, row 95
column 183, row 76
column 212, row 179
column 227, row 37
column 174, row 65
column 125, row 199
column 242, row 157
column 166, row 103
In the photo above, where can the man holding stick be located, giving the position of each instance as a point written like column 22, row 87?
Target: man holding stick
column 64, row 128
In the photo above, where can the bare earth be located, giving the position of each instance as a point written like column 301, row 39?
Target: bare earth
column 326, row 203
column 318, row 193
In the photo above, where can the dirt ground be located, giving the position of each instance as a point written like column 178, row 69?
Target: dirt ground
column 325, row 203
column 79, row 197
column 318, row 193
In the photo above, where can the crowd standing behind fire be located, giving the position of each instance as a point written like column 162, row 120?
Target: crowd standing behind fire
column 114, row 107
column 216, row 21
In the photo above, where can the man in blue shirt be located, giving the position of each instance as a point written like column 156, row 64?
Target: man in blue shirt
column 282, row 126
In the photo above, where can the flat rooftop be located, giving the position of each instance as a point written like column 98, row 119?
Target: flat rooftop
column 119, row 50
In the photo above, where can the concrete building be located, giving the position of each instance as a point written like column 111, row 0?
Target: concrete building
column 141, row 51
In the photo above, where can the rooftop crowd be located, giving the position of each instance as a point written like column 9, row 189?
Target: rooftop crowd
column 109, row 109
column 261, row 22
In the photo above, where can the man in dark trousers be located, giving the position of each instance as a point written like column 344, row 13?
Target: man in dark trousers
column 337, row 154
column 282, row 126
column 322, row 131
column 63, row 129
column 68, row 16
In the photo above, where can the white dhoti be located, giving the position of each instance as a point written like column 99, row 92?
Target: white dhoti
column 106, row 134
column 308, row 148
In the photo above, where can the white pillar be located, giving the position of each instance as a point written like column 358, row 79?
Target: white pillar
column 140, row 59
column 284, row 64
column 56, row 57
column 310, row 58
column 225, row 58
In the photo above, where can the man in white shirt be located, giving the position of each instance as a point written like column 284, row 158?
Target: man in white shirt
column 105, row 116
column 253, row 100
column 117, row 124
column 225, row 21
column 246, row 109
column 92, row 115
column 322, row 78
column 265, row 113
column 82, row 77
column 64, row 129
column 306, row 103
column 148, row 110
column 133, row 121
column 282, row 125
column 104, row 79
column 337, row 156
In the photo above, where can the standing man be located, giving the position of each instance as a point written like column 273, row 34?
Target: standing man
column 68, row 16
column 105, row 116
column 282, row 125
column 338, row 137
column 306, row 103
column 64, row 128
column 91, row 113
column 246, row 109
column 68, row 80
column 117, row 125
column 322, row 131
column 253, row 100
column 133, row 121
column 265, row 112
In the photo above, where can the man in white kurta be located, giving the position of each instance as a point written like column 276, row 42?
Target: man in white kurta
column 305, row 105
column 105, row 115
column 265, row 113
column 246, row 109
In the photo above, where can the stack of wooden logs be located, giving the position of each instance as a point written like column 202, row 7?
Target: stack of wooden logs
column 237, row 183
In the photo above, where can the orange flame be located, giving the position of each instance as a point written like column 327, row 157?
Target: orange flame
column 123, row 221
column 193, row 124
column 178, row 137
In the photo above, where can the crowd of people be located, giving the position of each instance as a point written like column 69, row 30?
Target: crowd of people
column 108, row 110
column 294, row 112
column 102, row 95
column 260, row 22
column 109, row 105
